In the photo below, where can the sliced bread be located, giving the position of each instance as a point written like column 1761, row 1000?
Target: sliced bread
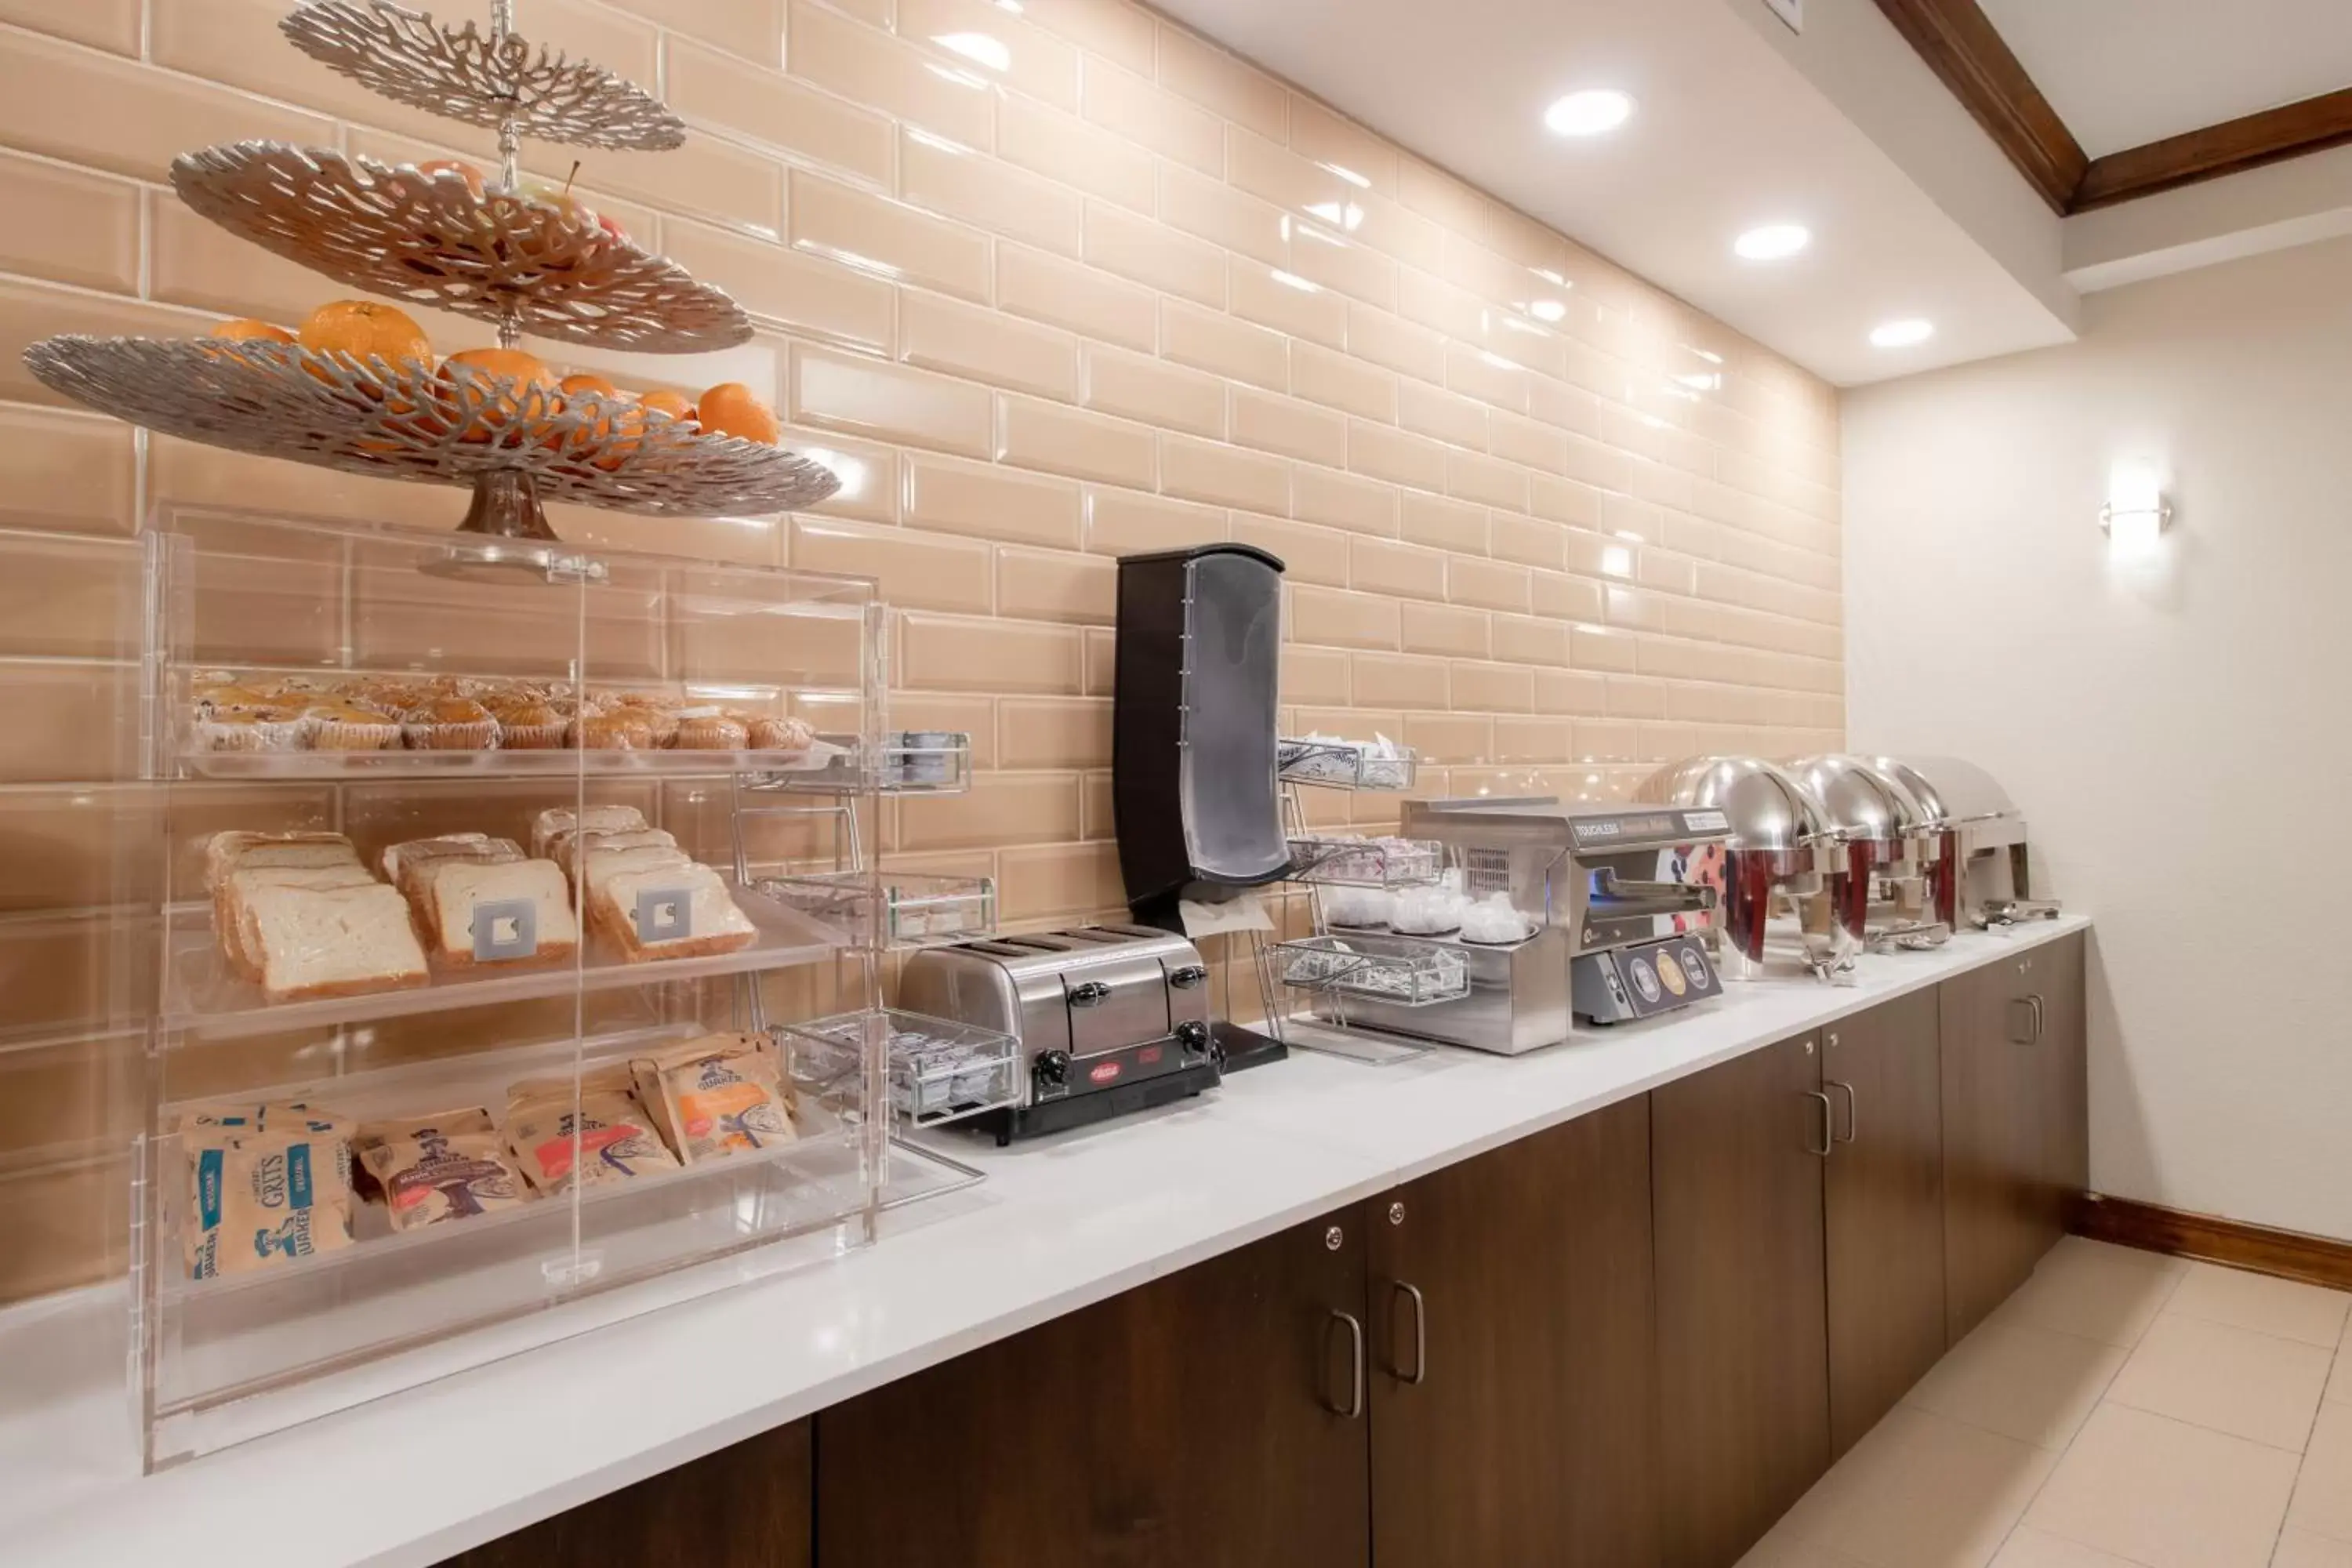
column 458, row 887
column 232, row 920
column 558, row 819
column 713, row 923
column 332, row 942
column 226, row 852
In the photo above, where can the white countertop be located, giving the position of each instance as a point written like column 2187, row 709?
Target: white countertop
column 1060, row 1223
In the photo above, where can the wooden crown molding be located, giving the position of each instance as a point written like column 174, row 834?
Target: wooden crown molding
column 1963, row 47
column 2313, row 125
column 2287, row 1254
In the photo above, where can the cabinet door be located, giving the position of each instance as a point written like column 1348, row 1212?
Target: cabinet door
column 1885, row 1207
column 2055, row 989
column 1743, row 1360
column 1994, row 1229
column 1215, row 1416
column 744, row 1507
column 1513, row 1393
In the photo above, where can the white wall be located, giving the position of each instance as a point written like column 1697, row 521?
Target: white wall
column 2178, row 727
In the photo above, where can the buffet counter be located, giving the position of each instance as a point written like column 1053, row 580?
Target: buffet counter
column 1062, row 1222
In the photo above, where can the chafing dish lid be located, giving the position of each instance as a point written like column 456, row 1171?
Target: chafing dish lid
column 1579, row 825
column 1768, row 810
column 1861, row 800
column 1963, row 791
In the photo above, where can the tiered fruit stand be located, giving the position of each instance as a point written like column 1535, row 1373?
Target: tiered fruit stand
column 320, row 603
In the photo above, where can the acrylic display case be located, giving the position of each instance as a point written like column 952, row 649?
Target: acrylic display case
column 268, row 1284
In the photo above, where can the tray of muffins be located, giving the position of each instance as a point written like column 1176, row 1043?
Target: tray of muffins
column 297, row 726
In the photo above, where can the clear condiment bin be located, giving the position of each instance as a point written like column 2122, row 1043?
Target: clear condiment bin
column 922, row 762
column 907, row 909
column 1346, row 764
column 940, row 1071
column 420, row 1070
column 1365, row 862
column 1397, row 970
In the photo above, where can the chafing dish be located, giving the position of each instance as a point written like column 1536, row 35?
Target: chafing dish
column 1893, row 844
column 1781, row 852
column 1613, row 918
column 1110, row 1019
column 1984, row 878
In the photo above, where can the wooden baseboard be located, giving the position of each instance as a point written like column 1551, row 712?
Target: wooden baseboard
column 2289, row 1255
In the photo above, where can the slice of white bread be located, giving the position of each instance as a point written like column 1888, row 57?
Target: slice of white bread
column 600, row 864
column 567, row 848
column 714, row 924
column 332, row 942
column 459, row 887
column 226, row 852
column 414, row 865
column 558, row 819
column 232, row 919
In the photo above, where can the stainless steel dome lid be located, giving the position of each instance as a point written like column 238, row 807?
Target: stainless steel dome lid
column 1862, row 800
column 1922, row 789
column 1963, row 792
column 1767, row 808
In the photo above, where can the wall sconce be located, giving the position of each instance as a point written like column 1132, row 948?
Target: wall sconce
column 2137, row 514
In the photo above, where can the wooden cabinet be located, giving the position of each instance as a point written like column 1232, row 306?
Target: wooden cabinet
column 1883, row 1208
column 744, row 1507
column 1736, row 1159
column 1512, row 1384
column 1220, row 1415
column 2016, row 1118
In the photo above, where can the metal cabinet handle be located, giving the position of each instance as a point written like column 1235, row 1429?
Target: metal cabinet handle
column 2033, row 1026
column 1829, row 1122
column 1852, row 1109
column 1420, row 1333
column 1355, row 1405
column 2038, row 1018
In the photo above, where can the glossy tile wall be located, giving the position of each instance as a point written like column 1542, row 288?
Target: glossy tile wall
column 1051, row 280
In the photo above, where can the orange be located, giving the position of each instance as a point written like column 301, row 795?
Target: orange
column 627, row 434
column 499, row 390
column 730, row 409
column 667, row 403
column 247, row 330
column 590, row 386
column 468, row 173
column 363, row 328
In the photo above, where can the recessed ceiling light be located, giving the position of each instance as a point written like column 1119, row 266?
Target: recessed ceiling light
column 1903, row 334
column 1773, row 241
column 1593, row 112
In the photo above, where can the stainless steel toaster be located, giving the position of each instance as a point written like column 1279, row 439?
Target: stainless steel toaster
column 1110, row 1019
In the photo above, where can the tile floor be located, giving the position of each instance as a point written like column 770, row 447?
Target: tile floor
column 2122, row 1410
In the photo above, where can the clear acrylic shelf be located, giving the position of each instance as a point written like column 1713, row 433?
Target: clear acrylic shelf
column 1397, row 970
column 1365, row 862
column 941, row 1071
column 496, row 762
column 205, row 998
column 1347, row 765
column 911, row 909
column 909, row 762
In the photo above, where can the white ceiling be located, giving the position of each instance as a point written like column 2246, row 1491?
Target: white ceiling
column 1729, row 134
column 2122, row 73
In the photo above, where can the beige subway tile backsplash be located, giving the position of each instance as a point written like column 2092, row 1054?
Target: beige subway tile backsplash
column 1115, row 292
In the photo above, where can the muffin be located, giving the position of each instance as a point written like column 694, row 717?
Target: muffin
column 712, row 732
column 530, row 726
column 227, row 697
column 621, row 729
column 253, row 730
column 352, row 727
column 450, row 724
column 782, row 735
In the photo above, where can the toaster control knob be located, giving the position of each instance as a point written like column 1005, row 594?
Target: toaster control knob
column 1193, row 1035
column 1184, row 979
column 1053, row 1066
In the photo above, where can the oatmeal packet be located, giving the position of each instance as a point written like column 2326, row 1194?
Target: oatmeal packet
column 445, row 1166
column 615, row 1140
column 717, row 1095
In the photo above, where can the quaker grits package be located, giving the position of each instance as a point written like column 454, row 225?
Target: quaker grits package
column 441, row 1167
column 716, row 1095
column 267, row 1184
column 548, row 1126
